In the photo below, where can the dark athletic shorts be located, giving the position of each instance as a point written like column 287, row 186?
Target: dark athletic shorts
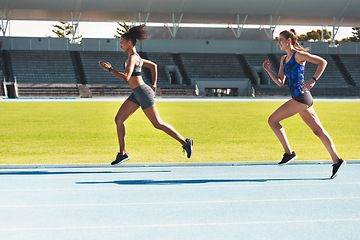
column 304, row 98
column 143, row 96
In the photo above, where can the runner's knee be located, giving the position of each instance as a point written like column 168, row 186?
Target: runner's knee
column 271, row 120
column 158, row 125
column 319, row 131
column 119, row 120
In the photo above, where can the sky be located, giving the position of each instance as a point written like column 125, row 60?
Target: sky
column 107, row 29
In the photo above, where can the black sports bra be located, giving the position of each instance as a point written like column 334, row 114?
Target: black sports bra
column 137, row 69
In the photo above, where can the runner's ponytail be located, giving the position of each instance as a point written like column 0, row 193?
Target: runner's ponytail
column 136, row 33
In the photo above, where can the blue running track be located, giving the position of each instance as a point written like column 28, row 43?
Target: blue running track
column 297, row 201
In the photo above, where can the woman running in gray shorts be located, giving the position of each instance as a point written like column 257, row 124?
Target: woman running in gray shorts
column 142, row 95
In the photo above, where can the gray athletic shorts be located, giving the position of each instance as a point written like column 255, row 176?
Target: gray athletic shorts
column 143, row 96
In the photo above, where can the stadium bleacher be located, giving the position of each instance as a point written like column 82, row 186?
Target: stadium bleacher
column 351, row 63
column 162, row 60
column 42, row 73
column 95, row 74
column 101, row 83
column 1, row 76
column 48, row 90
column 256, row 61
column 331, row 77
column 217, row 66
column 42, row 67
column 1, row 67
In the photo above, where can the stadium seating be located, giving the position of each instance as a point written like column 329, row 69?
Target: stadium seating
column 42, row 67
column 256, row 61
column 103, row 90
column 216, row 66
column 68, row 90
column 1, row 67
column 162, row 60
column 51, row 73
column 95, row 74
column 1, row 76
column 351, row 63
column 331, row 76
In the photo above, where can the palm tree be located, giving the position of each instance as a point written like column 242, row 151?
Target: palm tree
column 123, row 28
column 65, row 29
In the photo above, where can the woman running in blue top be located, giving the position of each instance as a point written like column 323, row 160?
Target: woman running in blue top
column 292, row 67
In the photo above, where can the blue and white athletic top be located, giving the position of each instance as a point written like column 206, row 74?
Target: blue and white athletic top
column 295, row 74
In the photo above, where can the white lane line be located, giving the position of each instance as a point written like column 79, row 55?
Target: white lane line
column 182, row 225
column 175, row 203
column 184, row 185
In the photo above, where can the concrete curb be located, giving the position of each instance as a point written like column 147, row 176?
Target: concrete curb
column 187, row 164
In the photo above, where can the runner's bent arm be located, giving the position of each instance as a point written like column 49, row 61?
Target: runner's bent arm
column 153, row 68
column 278, row 79
column 302, row 57
column 123, row 76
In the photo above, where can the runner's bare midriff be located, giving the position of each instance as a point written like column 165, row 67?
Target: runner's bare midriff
column 135, row 81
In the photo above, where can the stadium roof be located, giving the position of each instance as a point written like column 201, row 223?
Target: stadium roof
column 291, row 12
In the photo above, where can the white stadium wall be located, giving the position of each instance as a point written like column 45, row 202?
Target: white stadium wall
column 171, row 45
column 206, row 46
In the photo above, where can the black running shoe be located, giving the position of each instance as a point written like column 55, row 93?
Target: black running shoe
column 288, row 158
column 188, row 147
column 120, row 159
column 337, row 167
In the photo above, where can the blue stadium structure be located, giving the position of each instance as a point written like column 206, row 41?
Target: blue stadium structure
column 187, row 58
column 60, row 73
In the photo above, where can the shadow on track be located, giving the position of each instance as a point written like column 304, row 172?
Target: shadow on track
column 200, row 181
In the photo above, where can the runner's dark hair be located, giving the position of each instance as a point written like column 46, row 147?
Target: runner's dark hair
column 136, row 33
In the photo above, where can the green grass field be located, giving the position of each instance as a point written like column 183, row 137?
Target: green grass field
column 85, row 132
